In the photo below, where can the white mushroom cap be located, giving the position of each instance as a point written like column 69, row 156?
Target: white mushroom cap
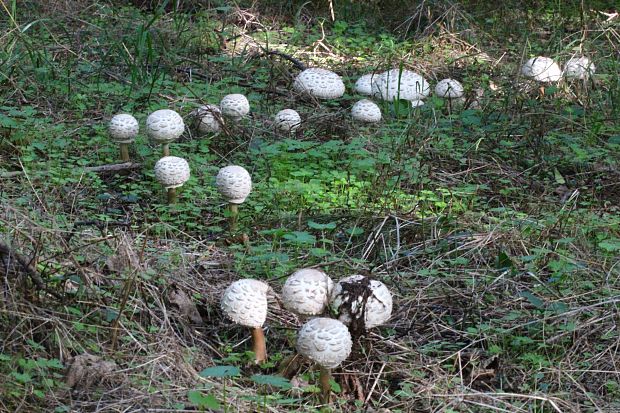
column 123, row 128
column 542, row 69
column 378, row 307
column 449, row 88
column 235, row 183
column 366, row 111
column 363, row 85
column 417, row 103
column 287, row 120
column 307, row 291
column 164, row 126
column 245, row 302
column 579, row 68
column 395, row 84
column 210, row 120
column 172, row 171
column 320, row 83
column 325, row 341
column 235, row 106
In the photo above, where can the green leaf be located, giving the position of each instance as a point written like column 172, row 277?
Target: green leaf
column 321, row 227
column 203, row 401
column 559, row 179
column 220, row 371
column 610, row 245
column 535, row 301
column 21, row 377
column 269, row 380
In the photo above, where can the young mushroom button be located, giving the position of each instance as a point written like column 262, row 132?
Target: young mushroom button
column 235, row 106
column 320, row 83
column 542, row 69
column 363, row 85
column 209, row 118
column 449, row 88
column 400, row 84
column 307, row 291
column 579, row 68
column 287, row 120
column 366, row 111
column 123, row 129
column 357, row 293
column 172, row 172
column 164, row 126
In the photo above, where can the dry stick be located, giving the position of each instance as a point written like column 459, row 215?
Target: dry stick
column 126, row 291
column 259, row 347
column 101, row 168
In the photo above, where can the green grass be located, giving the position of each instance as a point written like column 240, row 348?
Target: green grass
column 496, row 227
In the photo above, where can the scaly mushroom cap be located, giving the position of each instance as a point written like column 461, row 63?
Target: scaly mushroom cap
column 349, row 293
column 210, row 120
column 366, row 111
column 320, row 83
column 164, row 126
column 417, row 103
column 542, row 69
column 579, row 68
column 449, row 88
column 123, row 128
column 307, row 291
column 245, row 302
column 235, row 183
column 235, row 106
column 395, row 84
column 325, row 341
column 287, row 120
column 363, row 85
column 172, row 171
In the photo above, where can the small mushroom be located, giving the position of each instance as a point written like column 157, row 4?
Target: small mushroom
column 245, row 303
column 417, row 103
column 542, row 69
column 400, row 84
column 235, row 184
column 579, row 68
column 361, row 302
column 450, row 89
column 209, row 119
column 320, row 83
column 363, row 85
column 123, row 129
column 287, row 120
column 235, row 106
column 366, row 111
column 307, row 291
column 164, row 126
column 327, row 342
column 172, row 172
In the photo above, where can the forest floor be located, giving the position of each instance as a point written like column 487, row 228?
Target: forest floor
column 494, row 223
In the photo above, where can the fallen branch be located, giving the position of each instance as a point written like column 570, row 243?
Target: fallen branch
column 101, row 168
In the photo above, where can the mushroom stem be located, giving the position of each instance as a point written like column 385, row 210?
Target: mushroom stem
column 166, row 149
column 124, row 152
column 172, row 195
column 234, row 213
column 324, row 384
column 259, row 346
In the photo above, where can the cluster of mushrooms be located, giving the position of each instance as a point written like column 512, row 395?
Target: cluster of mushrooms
column 358, row 302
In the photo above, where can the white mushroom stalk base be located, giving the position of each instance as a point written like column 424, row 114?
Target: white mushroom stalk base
column 233, row 210
column 172, row 195
column 259, row 347
column 124, row 152
column 166, row 149
column 325, row 385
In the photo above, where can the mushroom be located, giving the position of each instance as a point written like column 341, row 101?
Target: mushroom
column 417, row 103
column 245, row 303
column 450, row 89
column 320, row 83
column 400, row 84
column 542, row 69
column 327, row 342
column 366, row 111
column 287, row 120
column 363, row 85
column 164, row 126
column 580, row 68
column 361, row 302
column 172, row 172
column 235, row 106
column 123, row 129
column 235, row 183
column 209, row 119
column 307, row 291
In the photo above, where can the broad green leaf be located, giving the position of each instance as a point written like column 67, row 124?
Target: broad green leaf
column 203, row 401
column 269, row 380
column 535, row 301
column 220, row 371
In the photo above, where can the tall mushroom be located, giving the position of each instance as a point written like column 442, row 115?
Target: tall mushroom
column 235, row 106
column 366, row 111
column 164, row 126
column 287, row 120
column 320, row 83
column 123, row 129
column 172, row 172
column 307, row 291
column 235, row 184
column 245, row 303
column 327, row 342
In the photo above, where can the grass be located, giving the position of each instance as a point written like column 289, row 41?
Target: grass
column 495, row 226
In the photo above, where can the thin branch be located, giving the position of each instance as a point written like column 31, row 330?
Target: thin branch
column 100, row 168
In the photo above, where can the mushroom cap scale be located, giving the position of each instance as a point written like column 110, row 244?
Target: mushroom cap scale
column 123, row 128
column 397, row 84
column 449, row 88
column 287, row 120
column 235, row 106
column 579, row 68
column 209, row 118
column 307, row 291
column 325, row 341
column 235, row 183
column 347, row 300
column 172, row 171
column 366, row 111
column 164, row 126
column 363, row 85
column 320, row 83
column 245, row 302
column 542, row 69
